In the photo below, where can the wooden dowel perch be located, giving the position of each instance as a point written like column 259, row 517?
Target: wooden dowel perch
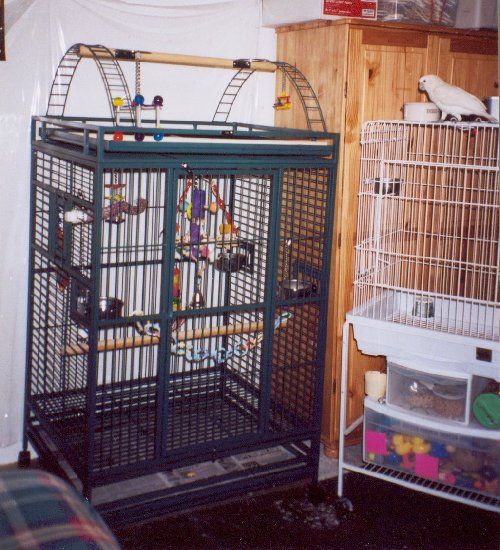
column 179, row 59
column 137, row 341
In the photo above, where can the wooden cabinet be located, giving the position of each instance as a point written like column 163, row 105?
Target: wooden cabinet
column 364, row 71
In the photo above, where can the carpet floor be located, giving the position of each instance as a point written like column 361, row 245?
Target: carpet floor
column 384, row 516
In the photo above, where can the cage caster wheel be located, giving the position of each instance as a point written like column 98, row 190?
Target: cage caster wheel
column 24, row 459
column 343, row 507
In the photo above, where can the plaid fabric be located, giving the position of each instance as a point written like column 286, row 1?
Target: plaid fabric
column 39, row 511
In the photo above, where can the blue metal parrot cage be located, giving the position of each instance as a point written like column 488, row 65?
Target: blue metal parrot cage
column 178, row 283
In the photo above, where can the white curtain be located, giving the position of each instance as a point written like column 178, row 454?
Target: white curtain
column 38, row 32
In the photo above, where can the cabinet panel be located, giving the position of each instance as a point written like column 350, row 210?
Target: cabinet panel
column 305, row 49
column 389, row 81
column 470, row 64
column 380, row 80
column 478, row 74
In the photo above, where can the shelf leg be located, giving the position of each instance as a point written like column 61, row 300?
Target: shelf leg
column 343, row 406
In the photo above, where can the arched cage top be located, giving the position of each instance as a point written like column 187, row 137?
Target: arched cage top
column 108, row 63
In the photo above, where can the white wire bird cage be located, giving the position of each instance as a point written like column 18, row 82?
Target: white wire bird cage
column 427, row 252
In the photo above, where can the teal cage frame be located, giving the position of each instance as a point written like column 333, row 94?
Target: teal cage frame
column 217, row 235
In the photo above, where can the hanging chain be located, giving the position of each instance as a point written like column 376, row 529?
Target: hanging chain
column 283, row 80
column 286, row 271
column 137, row 73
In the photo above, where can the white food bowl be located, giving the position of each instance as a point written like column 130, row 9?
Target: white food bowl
column 421, row 112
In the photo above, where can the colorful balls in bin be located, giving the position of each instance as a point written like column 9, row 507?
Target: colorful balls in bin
column 392, row 459
column 420, row 446
column 448, row 477
column 464, row 482
column 488, row 473
column 438, row 450
column 402, row 444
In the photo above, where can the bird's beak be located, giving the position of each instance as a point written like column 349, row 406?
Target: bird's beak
column 421, row 86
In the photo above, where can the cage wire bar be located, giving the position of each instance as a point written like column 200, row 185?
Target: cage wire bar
column 427, row 252
column 166, row 343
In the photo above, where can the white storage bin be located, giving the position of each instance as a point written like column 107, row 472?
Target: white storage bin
column 454, row 455
column 433, row 394
column 474, row 14
column 435, row 12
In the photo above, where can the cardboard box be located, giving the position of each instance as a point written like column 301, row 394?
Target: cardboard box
column 288, row 12
column 365, row 9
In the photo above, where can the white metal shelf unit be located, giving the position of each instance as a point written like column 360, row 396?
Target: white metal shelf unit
column 426, row 288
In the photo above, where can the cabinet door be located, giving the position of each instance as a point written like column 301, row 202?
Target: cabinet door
column 471, row 63
column 384, row 69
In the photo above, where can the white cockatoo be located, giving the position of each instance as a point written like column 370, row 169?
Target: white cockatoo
column 452, row 100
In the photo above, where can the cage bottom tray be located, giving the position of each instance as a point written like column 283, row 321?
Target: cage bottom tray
column 126, row 423
column 457, row 333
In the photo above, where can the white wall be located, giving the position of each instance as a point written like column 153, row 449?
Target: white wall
column 38, row 34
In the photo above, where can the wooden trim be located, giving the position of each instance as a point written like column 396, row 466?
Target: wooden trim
column 486, row 34
column 396, row 37
column 485, row 47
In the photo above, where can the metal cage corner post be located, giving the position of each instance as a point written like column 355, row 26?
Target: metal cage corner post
column 426, row 297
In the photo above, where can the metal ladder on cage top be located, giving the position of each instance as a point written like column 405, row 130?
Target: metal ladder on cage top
column 109, row 69
column 230, row 93
column 309, row 100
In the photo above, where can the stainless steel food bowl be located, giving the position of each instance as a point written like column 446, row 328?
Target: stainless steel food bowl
column 110, row 308
column 295, row 288
column 387, row 186
column 231, row 261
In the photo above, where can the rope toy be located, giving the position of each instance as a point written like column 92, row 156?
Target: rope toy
column 240, row 349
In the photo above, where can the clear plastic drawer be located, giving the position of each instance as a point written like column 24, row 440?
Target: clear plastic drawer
column 455, row 455
column 433, row 394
